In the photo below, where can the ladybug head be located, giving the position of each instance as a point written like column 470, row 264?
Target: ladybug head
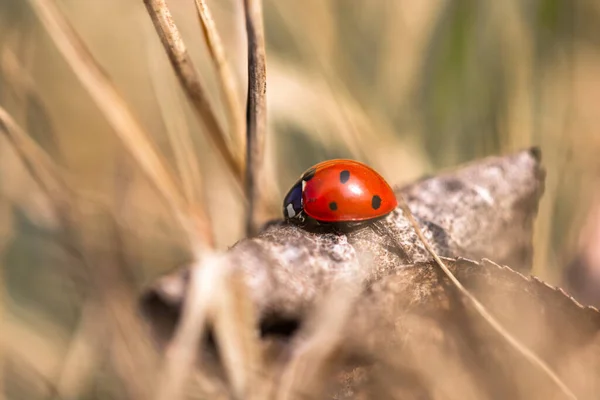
column 292, row 204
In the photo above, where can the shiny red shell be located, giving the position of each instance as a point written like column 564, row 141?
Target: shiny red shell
column 345, row 190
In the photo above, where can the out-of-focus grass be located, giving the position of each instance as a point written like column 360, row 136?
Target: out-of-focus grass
column 409, row 87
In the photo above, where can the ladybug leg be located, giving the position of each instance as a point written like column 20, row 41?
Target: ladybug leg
column 347, row 227
column 301, row 218
column 309, row 223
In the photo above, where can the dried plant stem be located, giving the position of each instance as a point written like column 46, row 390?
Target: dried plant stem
column 5, row 238
column 234, row 321
column 217, row 296
column 190, row 81
column 227, row 79
column 178, row 132
column 83, row 353
column 32, row 370
column 256, row 111
column 176, row 126
column 485, row 314
column 3, row 341
column 13, row 70
column 306, row 372
column 183, row 351
column 104, row 278
column 116, row 111
column 37, row 162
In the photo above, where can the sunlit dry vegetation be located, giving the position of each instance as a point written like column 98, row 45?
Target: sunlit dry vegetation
column 108, row 174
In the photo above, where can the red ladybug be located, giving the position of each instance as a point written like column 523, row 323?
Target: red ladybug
column 339, row 191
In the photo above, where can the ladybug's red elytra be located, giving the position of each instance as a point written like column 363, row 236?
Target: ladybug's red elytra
column 339, row 191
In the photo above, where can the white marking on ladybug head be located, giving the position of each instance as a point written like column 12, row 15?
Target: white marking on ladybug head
column 290, row 211
column 303, row 184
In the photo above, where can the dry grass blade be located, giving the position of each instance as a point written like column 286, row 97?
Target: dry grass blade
column 256, row 111
column 235, row 329
column 35, row 343
column 481, row 310
column 9, row 67
column 83, row 354
column 307, row 371
column 14, row 66
column 2, row 317
column 182, row 353
column 178, row 132
column 354, row 119
column 31, row 370
column 36, row 161
column 103, row 276
column 5, row 237
column 190, row 81
column 226, row 78
column 216, row 295
column 13, row 71
column 115, row 109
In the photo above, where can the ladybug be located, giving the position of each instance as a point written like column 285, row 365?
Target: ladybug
column 339, row 191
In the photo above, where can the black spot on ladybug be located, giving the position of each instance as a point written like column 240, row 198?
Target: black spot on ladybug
column 333, row 206
column 344, row 176
column 309, row 174
column 376, row 202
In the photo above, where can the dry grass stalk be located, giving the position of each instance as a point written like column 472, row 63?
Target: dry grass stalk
column 356, row 121
column 13, row 71
column 31, row 370
column 485, row 314
column 227, row 79
column 190, row 81
column 131, row 352
column 35, row 343
column 38, row 163
column 2, row 317
column 9, row 69
column 181, row 355
column 83, row 354
column 130, row 349
column 107, row 286
column 14, row 65
column 5, row 237
column 178, row 132
column 235, row 329
column 116, row 111
column 256, row 111
column 216, row 297
column 308, row 370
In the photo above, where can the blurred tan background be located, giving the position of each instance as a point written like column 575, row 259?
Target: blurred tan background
column 408, row 87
